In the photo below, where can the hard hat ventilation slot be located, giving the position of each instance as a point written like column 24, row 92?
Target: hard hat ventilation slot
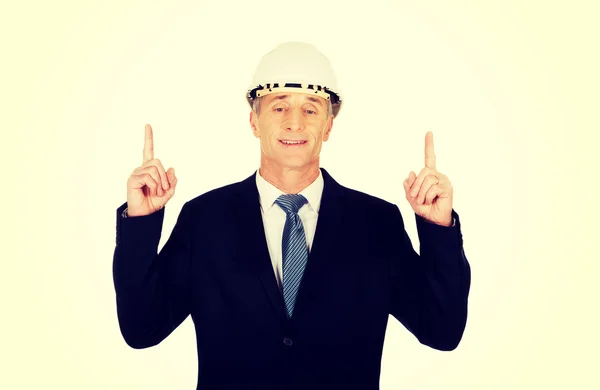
column 319, row 90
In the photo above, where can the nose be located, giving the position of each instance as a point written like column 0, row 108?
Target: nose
column 294, row 120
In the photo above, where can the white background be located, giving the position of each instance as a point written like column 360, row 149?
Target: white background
column 509, row 90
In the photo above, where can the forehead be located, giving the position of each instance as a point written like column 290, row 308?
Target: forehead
column 303, row 97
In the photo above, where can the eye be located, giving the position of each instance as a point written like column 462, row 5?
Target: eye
column 311, row 112
column 278, row 109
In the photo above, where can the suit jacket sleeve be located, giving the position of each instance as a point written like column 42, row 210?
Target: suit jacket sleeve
column 151, row 288
column 430, row 291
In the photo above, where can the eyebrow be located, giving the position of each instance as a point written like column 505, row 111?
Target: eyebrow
column 310, row 98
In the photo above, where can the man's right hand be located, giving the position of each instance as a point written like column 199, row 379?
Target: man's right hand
column 149, row 188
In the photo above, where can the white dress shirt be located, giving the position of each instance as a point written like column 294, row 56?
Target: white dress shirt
column 274, row 217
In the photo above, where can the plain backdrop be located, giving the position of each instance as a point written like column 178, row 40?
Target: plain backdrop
column 509, row 89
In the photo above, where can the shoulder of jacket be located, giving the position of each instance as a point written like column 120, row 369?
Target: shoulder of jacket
column 214, row 196
column 367, row 200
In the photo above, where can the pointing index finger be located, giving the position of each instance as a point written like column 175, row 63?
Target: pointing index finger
column 429, row 152
column 148, row 144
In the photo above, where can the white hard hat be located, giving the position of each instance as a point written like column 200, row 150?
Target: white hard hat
column 295, row 67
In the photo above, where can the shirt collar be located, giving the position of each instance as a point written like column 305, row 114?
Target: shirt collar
column 268, row 193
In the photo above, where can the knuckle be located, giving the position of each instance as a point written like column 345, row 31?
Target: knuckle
column 149, row 180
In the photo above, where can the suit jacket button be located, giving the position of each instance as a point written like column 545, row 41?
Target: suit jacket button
column 287, row 341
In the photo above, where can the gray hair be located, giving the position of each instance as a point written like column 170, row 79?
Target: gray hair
column 256, row 106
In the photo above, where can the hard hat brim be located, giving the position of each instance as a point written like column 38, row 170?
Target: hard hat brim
column 310, row 89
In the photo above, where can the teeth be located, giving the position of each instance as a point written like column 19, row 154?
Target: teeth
column 293, row 142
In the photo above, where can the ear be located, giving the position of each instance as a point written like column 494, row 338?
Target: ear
column 254, row 124
column 328, row 128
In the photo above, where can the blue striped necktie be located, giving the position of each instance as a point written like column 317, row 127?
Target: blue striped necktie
column 294, row 248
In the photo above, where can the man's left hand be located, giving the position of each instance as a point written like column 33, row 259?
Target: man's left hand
column 430, row 193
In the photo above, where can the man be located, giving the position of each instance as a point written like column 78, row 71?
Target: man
column 288, row 276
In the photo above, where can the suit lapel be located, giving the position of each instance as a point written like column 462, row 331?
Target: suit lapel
column 325, row 244
column 252, row 233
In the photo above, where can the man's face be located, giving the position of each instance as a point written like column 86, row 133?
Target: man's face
column 291, row 128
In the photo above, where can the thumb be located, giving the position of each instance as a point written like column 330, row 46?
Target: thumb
column 408, row 182
column 172, row 179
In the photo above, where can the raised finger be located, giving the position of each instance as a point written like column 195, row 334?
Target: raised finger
column 148, row 144
column 429, row 151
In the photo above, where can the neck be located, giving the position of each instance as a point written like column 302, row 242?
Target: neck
column 289, row 180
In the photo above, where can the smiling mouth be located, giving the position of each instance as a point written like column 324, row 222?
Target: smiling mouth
column 292, row 142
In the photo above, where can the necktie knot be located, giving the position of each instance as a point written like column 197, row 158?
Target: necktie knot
column 291, row 203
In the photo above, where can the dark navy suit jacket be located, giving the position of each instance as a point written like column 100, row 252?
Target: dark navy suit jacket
column 215, row 267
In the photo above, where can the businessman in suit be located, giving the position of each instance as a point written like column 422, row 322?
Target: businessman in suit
column 289, row 277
